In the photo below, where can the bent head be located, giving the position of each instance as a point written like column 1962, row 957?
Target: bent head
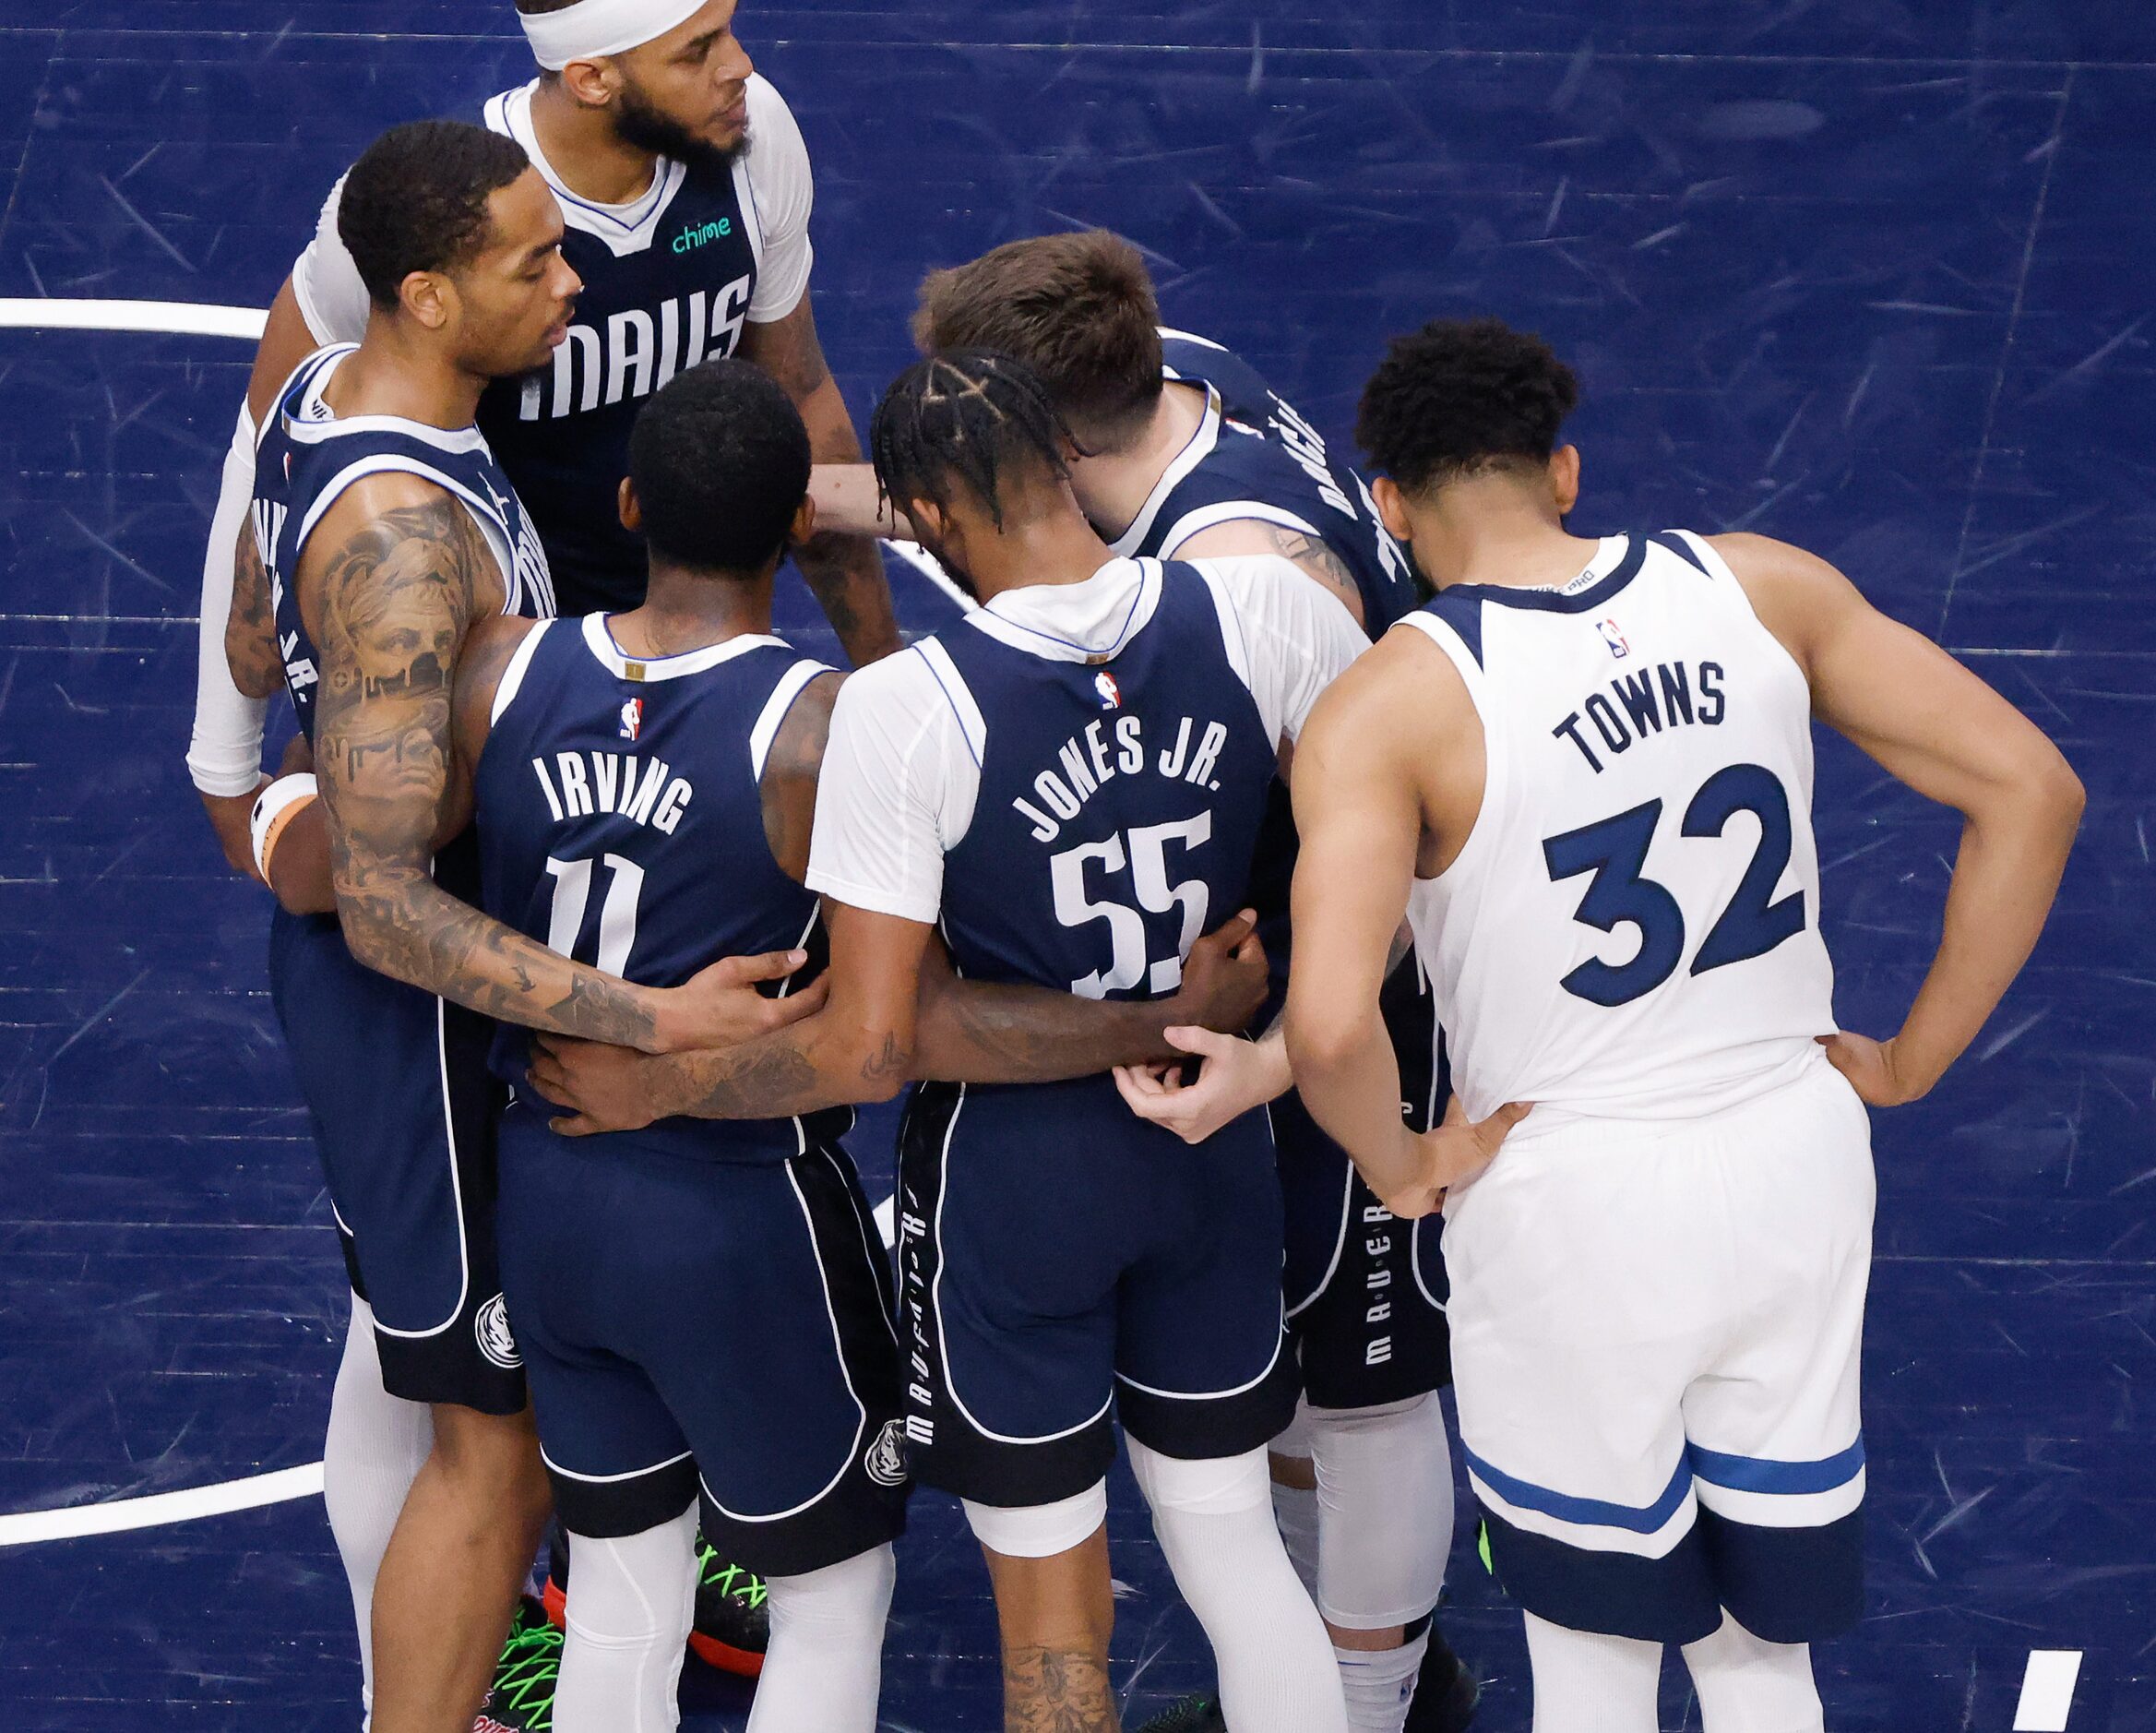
column 967, row 446
column 719, row 464
column 670, row 75
column 1077, row 310
column 1468, row 410
column 459, row 239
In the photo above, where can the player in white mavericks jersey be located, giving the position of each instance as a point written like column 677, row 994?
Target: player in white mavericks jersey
column 1584, row 772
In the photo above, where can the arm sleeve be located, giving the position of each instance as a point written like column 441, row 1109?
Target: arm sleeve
column 784, row 192
column 327, row 284
column 1298, row 637
column 225, row 755
column 886, row 792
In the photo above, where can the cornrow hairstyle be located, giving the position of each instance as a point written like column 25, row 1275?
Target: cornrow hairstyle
column 969, row 416
column 1460, row 398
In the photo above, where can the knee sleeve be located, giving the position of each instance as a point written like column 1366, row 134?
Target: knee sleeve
column 1749, row 1685
column 1385, row 1510
column 1215, row 1523
column 1039, row 1531
column 631, row 1601
column 375, row 1446
column 825, row 1666
column 1587, row 1682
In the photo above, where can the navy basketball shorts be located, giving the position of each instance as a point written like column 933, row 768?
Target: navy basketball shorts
column 706, row 1328
column 1062, row 1261
column 404, row 1113
column 1655, row 1335
column 1365, row 1292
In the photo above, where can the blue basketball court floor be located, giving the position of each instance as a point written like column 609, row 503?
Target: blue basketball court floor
column 1872, row 276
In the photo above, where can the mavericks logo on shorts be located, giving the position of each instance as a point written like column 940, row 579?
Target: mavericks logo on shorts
column 492, row 1328
column 885, row 1461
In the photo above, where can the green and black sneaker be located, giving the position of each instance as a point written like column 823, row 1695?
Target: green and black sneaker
column 732, row 1625
column 521, row 1700
column 733, row 1622
column 1193, row 1715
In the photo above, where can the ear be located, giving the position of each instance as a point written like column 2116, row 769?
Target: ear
column 924, row 516
column 429, row 297
column 1565, row 478
column 1392, row 509
column 803, row 527
column 591, row 82
column 630, row 507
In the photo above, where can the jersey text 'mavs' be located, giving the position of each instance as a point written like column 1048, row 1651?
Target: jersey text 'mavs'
column 639, row 351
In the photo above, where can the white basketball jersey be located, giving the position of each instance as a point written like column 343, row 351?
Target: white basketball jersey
column 1632, row 930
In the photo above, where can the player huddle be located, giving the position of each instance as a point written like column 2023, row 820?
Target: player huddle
column 1255, row 813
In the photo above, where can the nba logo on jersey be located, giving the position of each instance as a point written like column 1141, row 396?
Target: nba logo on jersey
column 632, row 719
column 1614, row 639
column 1111, row 694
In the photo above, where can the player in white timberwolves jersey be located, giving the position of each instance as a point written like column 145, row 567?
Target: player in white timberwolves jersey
column 1585, row 774
column 686, row 191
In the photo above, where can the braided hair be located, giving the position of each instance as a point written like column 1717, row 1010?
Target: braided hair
column 969, row 413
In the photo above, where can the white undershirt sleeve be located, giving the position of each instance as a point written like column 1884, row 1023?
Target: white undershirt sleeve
column 1297, row 635
column 326, row 283
column 897, row 789
column 225, row 755
column 784, row 191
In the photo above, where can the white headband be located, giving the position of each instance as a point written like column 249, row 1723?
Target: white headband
column 593, row 29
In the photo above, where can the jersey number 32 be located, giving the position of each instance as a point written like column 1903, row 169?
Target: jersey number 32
column 1615, row 850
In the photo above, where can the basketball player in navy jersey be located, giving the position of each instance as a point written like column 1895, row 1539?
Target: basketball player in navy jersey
column 687, row 192
column 1067, row 782
column 643, row 786
column 381, row 531
column 1189, row 454
column 1584, row 774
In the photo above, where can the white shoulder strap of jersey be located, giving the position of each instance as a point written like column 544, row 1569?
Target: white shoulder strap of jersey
column 773, row 716
column 513, row 676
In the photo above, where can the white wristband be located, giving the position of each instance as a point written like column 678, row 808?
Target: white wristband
column 279, row 805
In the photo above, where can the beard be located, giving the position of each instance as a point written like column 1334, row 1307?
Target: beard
column 957, row 574
column 636, row 122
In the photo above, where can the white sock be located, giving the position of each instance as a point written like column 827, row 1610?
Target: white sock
column 1586, row 1682
column 632, row 1600
column 375, row 1446
column 1384, row 1511
column 1748, row 1685
column 1380, row 1684
column 1276, row 1664
column 824, row 1669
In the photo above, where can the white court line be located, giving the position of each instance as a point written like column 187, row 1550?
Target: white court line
column 180, row 318
column 2047, row 1690
column 29, row 1527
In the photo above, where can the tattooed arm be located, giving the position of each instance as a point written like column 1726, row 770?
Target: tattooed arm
column 401, row 573
column 1254, row 535
column 845, row 571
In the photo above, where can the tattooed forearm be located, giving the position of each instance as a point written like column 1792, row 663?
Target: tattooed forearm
column 250, row 628
column 767, row 1078
column 983, row 1033
column 1057, row 1690
column 395, row 599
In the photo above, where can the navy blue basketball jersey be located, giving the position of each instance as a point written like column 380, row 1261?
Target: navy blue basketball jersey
column 621, row 822
column 666, row 285
column 305, row 458
column 1254, row 457
column 1118, row 806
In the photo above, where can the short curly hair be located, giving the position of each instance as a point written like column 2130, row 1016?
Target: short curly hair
column 1460, row 398
column 417, row 200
